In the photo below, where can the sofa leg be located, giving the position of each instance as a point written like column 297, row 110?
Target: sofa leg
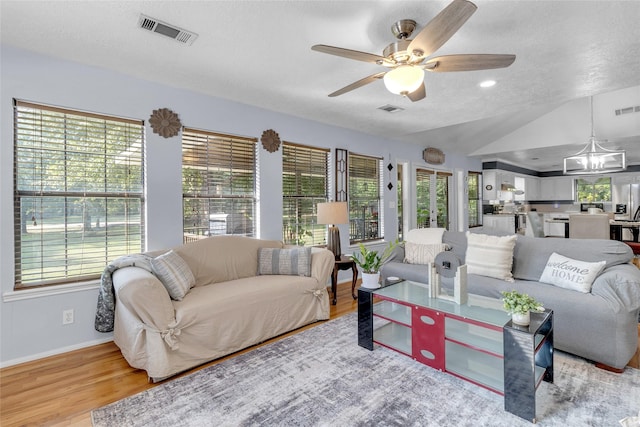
column 609, row 368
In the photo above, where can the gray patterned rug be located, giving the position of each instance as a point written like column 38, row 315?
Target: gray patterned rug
column 321, row 377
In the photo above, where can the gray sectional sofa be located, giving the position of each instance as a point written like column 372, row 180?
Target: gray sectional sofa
column 600, row 325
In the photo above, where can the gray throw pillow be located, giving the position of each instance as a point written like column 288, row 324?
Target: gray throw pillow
column 174, row 273
column 292, row 262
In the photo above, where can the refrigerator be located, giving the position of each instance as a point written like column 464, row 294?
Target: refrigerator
column 626, row 203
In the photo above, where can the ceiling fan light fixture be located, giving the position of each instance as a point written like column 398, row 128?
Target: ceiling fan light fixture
column 404, row 79
column 595, row 159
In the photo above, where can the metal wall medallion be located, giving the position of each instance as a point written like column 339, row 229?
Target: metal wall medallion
column 433, row 156
column 270, row 140
column 165, row 122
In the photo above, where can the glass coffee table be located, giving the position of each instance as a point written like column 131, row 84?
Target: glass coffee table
column 475, row 341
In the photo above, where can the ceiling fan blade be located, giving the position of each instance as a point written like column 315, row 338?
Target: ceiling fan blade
column 442, row 27
column 355, row 85
column 351, row 54
column 470, row 62
column 418, row 94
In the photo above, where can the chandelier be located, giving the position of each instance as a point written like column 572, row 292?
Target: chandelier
column 594, row 158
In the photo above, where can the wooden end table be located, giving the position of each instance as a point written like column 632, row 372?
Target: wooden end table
column 344, row 263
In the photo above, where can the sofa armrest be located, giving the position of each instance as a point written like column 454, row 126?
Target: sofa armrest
column 397, row 254
column 619, row 285
column 322, row 261
column 144, row 296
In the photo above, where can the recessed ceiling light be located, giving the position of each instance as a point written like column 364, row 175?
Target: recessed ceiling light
column 488, row 83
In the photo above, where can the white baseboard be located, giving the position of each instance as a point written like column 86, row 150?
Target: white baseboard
column 53, row 352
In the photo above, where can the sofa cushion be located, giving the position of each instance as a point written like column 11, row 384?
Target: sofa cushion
column 174, row 273
column 490, row 256
column 418, row 253
column 531, row 254
column 293, row 262
column 425, row 235
column 222, row 258
column 571, row 273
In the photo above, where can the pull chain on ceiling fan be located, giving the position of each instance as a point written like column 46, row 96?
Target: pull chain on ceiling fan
column 406, row 58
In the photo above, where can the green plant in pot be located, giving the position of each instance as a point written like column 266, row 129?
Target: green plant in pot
column 370, row 262
column 520, row 306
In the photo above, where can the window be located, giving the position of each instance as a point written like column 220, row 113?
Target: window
column 218, row 184
column 304, row 185
column 426, row 182
column 78, row 193
column 423, row 198
column 365, row 198
column 473, row 198
column 593, row 190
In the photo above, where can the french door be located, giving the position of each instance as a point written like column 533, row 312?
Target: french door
column 432, row 198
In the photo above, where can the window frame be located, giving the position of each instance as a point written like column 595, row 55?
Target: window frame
column 206, row 150
column 55, row 150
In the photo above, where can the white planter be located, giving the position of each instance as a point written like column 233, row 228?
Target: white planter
column 521, row 319
column 371, row 280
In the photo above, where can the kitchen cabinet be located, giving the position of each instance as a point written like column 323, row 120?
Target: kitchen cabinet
column 556, row 188
column 552, row 228
column 489, row 186
column 505, row 223
column 531, row 188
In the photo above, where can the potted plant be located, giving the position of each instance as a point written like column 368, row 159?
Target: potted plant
column 520, row 306
column 370, row 261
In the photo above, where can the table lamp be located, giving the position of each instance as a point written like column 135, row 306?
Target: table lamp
column 333, row 213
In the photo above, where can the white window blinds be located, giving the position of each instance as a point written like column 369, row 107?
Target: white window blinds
column 218, row 184
column 304, row 185
column 78, row 189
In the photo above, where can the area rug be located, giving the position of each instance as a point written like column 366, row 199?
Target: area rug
column 321, row 377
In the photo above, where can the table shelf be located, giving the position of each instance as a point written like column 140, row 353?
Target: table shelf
column 475, row 341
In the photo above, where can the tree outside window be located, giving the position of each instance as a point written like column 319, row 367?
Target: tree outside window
column 593, row 189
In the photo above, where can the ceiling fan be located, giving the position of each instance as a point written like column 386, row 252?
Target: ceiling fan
column 406, row 57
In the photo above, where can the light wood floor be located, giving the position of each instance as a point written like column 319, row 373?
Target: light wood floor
column 62, row 390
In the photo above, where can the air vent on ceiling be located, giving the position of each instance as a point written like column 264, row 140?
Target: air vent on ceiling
column 178, row 34
column 628, row 110
column 390, row 108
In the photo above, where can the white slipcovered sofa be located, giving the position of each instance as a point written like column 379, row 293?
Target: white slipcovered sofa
column 230, row 306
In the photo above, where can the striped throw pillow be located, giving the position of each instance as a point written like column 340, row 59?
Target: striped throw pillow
column 418, row 253
column 292, row 262
column 490, row 256
column 174, row 273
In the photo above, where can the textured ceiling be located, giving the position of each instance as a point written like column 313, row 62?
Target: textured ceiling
column 258, row 53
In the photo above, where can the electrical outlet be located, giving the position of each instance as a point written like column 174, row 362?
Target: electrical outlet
column 67, row 317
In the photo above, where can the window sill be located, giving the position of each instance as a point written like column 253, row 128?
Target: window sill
column 356, row 246
column 47, row 291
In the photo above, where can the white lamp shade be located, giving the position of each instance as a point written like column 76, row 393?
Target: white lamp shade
column 404, row 79
column 333, row 213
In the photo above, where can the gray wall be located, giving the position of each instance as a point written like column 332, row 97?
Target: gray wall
column 32, row 321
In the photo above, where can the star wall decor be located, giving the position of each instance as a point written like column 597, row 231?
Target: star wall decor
column 165, row 122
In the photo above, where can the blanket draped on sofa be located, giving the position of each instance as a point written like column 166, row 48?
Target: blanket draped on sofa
column 105, row 312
